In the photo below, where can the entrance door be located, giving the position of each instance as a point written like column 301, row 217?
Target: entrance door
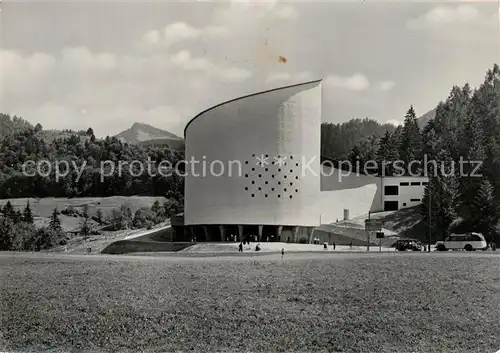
column 391, row 205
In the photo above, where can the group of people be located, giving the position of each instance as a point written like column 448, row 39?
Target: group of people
column 240, row 246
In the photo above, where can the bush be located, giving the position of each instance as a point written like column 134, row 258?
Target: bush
column 303, row 241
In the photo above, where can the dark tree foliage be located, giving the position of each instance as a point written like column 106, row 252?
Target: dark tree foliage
column 55, row 222
column 80, row 152
column 338, row 140
column 27, row 214
column 467, row 128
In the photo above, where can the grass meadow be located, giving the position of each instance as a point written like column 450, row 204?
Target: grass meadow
column 305, row 303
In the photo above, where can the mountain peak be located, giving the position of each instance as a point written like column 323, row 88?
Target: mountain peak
column 144, row 133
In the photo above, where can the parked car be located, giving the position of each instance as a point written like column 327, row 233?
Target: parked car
column 468, row 241
column 408, row 244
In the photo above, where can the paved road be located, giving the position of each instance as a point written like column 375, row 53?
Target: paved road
column 18, row 256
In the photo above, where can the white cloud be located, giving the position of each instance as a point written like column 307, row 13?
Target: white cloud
column 394, row 122
column 234, row 74
column 356, row 82
column 286, row 76
column 445, row 15
column 180, row 31
column 81, row 58
column 386, row 85
column 215, row 31
column 184, row 60
column 278, row 76
column 24, row 74
column 152, row 37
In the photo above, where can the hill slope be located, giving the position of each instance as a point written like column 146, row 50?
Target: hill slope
column 424, row 119
column 141, row 133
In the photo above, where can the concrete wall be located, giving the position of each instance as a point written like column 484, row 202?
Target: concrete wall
column 406, row 193
column 357, row 193
column 283, row 122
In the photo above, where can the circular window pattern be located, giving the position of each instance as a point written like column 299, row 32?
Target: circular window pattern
column 246, row 162
column 291, row 157
column 291, row 183
column 266, row 183
column 260, row 188
column 296, row 190
column 279, row 196
column 285, row 189
column 284, row 176
column 290, row 196
column 279, row 182
column 272, row 189
column 260, row 175
column 246, row 175
column 253, row 182
column 253, row 169
column 246, row 187
column 272, row 176
column 267, row 169
column 253, row 195
column 297, row 164
column 265, row 195
column 291, row 171
column 296, row 178
column 279, row 170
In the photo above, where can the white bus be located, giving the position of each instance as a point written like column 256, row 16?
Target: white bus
column 469, row 242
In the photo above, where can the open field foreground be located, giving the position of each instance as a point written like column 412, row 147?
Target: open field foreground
column 390, row 302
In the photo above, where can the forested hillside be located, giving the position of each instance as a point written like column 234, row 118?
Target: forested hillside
column 338, row 140
column 83, row 154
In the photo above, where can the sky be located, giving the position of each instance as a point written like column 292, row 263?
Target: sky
column 106, row 65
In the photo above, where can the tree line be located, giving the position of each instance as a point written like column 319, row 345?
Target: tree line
column 28, row 144
column 19, row 233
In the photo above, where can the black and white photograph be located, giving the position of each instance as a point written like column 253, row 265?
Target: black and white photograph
column 249, row 176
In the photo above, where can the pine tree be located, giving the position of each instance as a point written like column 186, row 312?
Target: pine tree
column 27, row 215
column 55, row 222
column 6, row 225
column 386, row 154
column 411, row 140
column 484, row 211
column 17, row 217
column 8, row 211
column 85, row 226
column 443, row 190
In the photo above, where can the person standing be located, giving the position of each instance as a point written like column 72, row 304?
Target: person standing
column 333, row 245
column 350, row 245
column 282, row 252
column 240, row 247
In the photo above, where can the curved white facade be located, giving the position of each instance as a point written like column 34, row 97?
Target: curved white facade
column 228, row 138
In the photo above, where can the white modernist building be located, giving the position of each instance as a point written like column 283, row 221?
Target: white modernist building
column 254, row 167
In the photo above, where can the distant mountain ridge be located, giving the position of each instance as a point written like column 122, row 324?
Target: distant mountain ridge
column 424, row 119
column 144, row 134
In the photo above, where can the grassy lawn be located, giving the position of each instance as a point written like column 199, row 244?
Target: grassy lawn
column 316, row 302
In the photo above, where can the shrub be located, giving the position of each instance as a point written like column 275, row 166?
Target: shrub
column 303, row 241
